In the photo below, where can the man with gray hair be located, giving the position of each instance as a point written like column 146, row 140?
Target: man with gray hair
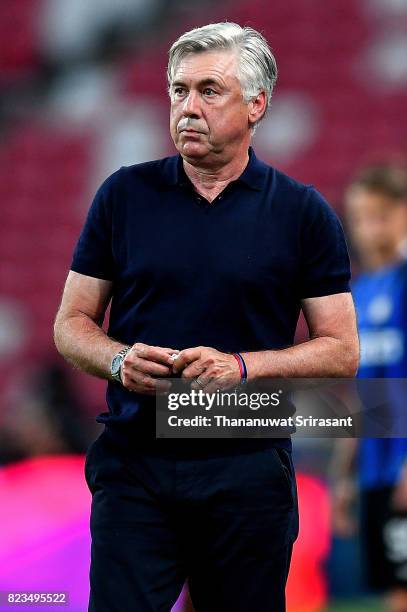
column 208, row 257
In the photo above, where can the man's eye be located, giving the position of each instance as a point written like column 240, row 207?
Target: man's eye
column 179, row 91
column 208, row 91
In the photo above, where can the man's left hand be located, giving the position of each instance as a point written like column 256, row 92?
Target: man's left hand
column 208, row 368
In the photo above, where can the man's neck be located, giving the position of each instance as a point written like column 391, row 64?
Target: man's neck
column 381, row 259
column 209, row 182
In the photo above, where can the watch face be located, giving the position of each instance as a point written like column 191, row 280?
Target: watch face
column 116, row 363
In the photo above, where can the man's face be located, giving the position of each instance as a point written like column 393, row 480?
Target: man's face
column 376, row 221
column 209, row 120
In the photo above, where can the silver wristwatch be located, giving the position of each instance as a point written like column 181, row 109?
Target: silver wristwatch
column 116, row 365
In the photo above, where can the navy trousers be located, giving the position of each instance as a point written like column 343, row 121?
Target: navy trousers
column 224, row 522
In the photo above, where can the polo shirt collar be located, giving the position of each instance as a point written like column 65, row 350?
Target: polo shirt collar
column 254, row 175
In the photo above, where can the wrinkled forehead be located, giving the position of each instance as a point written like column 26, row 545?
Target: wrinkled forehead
column 214, row 65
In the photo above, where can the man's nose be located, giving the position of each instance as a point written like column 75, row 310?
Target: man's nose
column 192, row 106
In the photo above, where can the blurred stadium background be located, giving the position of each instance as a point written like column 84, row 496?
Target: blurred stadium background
column 83, row 92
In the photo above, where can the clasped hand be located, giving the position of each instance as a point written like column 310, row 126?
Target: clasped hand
column 145, row 368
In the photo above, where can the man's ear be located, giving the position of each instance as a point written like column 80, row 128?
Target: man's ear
column 401, row 219
column 257, row 108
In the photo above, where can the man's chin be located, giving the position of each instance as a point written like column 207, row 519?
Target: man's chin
column 193, row 151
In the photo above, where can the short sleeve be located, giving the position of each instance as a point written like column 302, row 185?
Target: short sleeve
column 93, row 253
column 325, row 265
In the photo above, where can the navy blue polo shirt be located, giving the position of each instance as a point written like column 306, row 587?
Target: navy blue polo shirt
column 228, row 274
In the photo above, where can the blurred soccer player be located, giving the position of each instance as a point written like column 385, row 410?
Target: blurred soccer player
column 376, row 208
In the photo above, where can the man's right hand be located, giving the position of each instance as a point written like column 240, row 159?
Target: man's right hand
column 144, row 368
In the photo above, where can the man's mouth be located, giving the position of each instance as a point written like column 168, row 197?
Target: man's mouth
column 191, row 131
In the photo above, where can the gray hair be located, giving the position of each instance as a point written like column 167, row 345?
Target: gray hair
column 257, row 67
